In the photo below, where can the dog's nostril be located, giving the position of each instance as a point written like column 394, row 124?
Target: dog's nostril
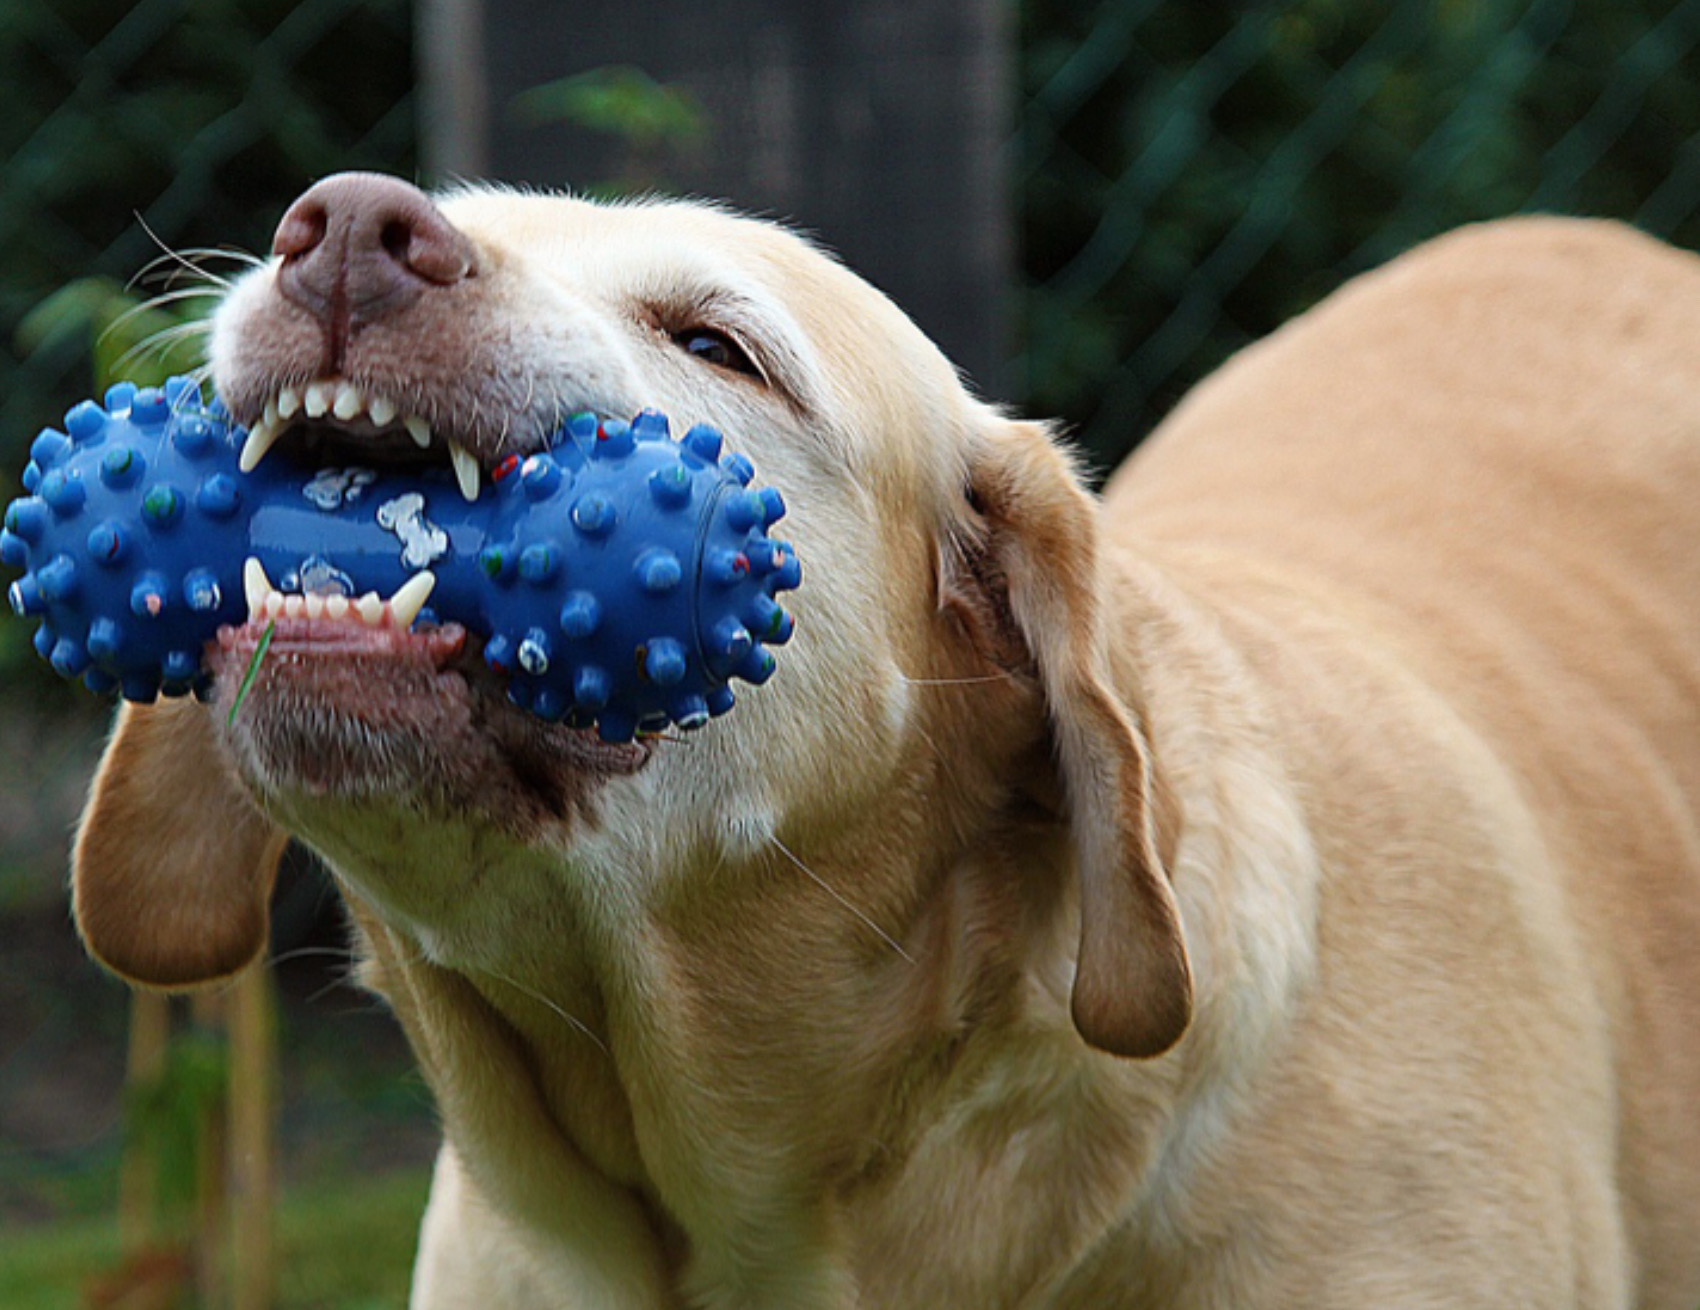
column 302, row 228
column 396, row 238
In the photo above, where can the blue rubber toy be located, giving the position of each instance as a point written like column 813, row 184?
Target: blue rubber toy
column 619, row 579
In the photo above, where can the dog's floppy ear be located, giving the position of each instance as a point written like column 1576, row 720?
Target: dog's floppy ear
column 1037, row 550
column 172, row 872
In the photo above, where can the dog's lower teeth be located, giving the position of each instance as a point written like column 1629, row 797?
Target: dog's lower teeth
column 267, row 602
column 255, row 586
column 410, row 598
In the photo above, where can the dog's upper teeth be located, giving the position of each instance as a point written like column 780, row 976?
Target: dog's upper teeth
column 349, row 402
column 467, row 472
column 261, row 438
column 345, row 402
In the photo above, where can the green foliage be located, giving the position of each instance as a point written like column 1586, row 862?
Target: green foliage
column 343, row 1244
column 193, row 120
column 169, row 1114
column 1190, row 176
column 123, row 335
column 656, row 122
column 620, row 100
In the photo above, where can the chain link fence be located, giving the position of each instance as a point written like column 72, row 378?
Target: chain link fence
column 1189, row 176
column 1185, row 177
column 126, row 128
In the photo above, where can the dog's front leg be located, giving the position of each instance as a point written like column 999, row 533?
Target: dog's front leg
column 467, row 1257
column 530, row 1221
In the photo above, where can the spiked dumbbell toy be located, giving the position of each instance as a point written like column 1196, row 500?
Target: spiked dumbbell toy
column 620, row 578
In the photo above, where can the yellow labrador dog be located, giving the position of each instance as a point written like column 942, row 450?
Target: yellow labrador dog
column 1274, row 885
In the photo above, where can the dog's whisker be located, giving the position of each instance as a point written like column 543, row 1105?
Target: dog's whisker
column 149, row 274
column 177, row 258
column 158, row 343
column 543, row 1000
column 826, row 887
column 955, row 682
column 235, row 254
column 159, row 302
column 327, row 990
column 313, row 952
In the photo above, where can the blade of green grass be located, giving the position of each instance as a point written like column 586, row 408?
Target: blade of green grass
column 253, row 668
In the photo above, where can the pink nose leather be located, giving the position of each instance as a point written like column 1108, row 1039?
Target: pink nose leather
column 359, row 247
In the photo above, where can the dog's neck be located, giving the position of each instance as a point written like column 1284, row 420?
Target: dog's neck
column 774, row 1097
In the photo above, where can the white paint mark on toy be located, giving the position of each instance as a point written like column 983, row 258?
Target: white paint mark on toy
column 331, row 488
column 318, row 576
column 422, row 541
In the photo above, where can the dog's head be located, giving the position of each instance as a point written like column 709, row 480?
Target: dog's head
column 950, row 665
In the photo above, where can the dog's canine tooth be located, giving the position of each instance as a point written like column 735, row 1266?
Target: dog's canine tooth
column 271, row 415
column 288, row 402
column 418, row 429
column 261, row 438
column 467, row 472
column 410, row 598
column 370, row 608
column 349, row 402
column 381, row 410
column 319, row 397
column 256, row 586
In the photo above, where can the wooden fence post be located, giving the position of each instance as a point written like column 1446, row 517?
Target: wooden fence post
column 251, row 1168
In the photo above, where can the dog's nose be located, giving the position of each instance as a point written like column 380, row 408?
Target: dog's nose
column 360, row 246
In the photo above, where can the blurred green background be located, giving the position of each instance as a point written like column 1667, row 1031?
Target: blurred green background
column 1184, row 177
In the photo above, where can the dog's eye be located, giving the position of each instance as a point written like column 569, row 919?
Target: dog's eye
column 714, row 347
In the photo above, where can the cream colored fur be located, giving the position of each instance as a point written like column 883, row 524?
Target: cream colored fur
column 1277, row 885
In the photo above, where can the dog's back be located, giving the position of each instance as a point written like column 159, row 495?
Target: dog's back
column 1484, row 464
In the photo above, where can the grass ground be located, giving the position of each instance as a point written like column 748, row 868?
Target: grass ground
column 356, row 1128
column 344, row 1244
